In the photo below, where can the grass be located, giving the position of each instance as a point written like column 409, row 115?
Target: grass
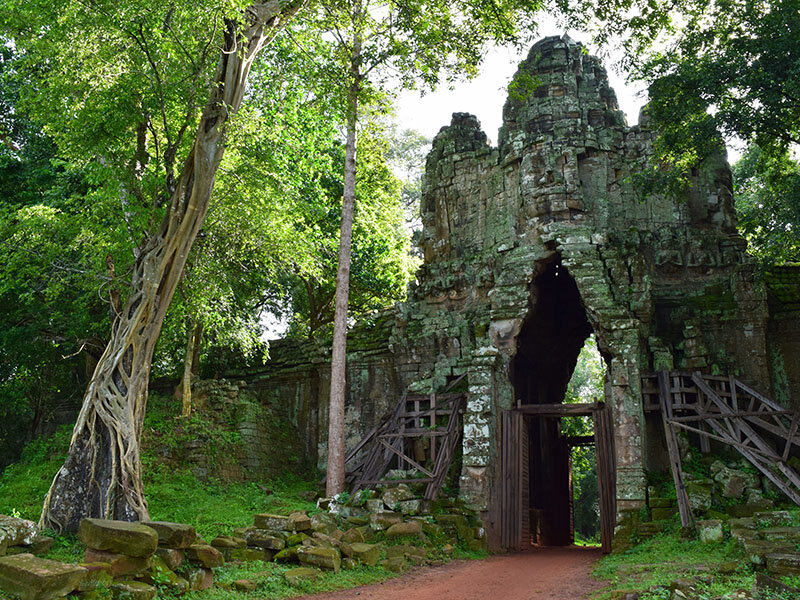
column 663, row 559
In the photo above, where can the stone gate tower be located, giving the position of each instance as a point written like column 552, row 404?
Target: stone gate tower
column 560, row 232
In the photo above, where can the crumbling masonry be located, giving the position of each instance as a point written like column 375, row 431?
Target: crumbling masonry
column 559, row 232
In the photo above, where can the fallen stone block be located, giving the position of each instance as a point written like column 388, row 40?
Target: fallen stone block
column 245, row 585
column 353, row 535
column 324, row 558
column 173, row 535
column 368, row 554
column 375, row 505
column 393, row 495
column 121, row 565
column 226, row 541
column 411, row 528
column 287, row 555
column 16, row 532
column 251, row 554
column 199, row 578
column 396, row 564
column 710, row 531
column 132, row 590
column 409, row 507
column 172, row 557
column 784, row 564
column 274, row 522
column 757, row 550
column 206, row 555
column 296, row 577
column 98, row 575
column 31, row 578
column 781, row 534
column 323, row 523
column 301, row 521
column 384, row 520
column 296, row 539
column 121, row 537
column 456, row 526
column 262, row 538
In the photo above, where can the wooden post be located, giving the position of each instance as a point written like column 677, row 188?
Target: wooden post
column 687, row 518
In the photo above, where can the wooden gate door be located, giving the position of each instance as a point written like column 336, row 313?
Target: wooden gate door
column 515, row 518
column 606, row 473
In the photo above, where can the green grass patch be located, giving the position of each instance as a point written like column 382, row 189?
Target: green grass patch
column 663, row 559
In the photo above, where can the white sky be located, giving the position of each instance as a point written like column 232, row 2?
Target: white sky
column 485, row 95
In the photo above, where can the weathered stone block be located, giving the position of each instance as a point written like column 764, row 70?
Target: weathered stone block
column 262, row 538
column 173, row 535
column 172, row 557
column 393, row 495
column 274, row 522
column 324, row 558
column 133, row 590
column 16, row 532
column 300, row 521
column 287, row 555
column 368, row 554
column 781, row 565
column 121, row 537
column 375, row 505
column 384, row 520
column 98, row 575
column 199, row 578
column 396, row 564
column 121, row 565
column 296, row 577
column 251, row 554
column 710, row 531
column 226, row 541
column 410, row 528
column 31, row 578
column 205, row 555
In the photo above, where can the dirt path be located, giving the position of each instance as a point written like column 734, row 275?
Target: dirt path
column 550, row 573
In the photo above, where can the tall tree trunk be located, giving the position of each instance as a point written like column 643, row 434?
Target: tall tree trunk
column 102, row 476
column 335, row 482
column 190, row 364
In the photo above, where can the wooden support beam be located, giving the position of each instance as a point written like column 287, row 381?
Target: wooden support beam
column 687, row 518
column 558, row 410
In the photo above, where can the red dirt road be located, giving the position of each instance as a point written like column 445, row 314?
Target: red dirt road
column 543, row 574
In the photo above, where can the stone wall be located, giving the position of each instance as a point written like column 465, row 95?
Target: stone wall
column 657, row 273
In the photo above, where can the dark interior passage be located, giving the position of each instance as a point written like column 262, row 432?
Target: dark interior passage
column 547, row 351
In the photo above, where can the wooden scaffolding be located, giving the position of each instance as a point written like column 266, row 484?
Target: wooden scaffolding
column 422, row 433
column 722, row 408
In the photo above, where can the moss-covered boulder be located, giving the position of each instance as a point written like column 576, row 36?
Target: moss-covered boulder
column 323, row 558
column 121, row 565
column 710, row 531
column 353, row 535
column 121, row 537
column 133, row 590
column 31, row 578
column 173, row 535
column 300, row 575
column 395, row 564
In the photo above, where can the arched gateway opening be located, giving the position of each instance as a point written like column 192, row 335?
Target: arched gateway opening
column 537, row 442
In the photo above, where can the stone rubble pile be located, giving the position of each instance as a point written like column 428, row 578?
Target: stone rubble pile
column 133, row 560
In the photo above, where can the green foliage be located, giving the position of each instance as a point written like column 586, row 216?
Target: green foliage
column 665, row 558
column 767, row 192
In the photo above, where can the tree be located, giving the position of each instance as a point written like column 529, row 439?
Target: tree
column 124, row 55
column 730, row 67
column 409, row 43
column 767, row 193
